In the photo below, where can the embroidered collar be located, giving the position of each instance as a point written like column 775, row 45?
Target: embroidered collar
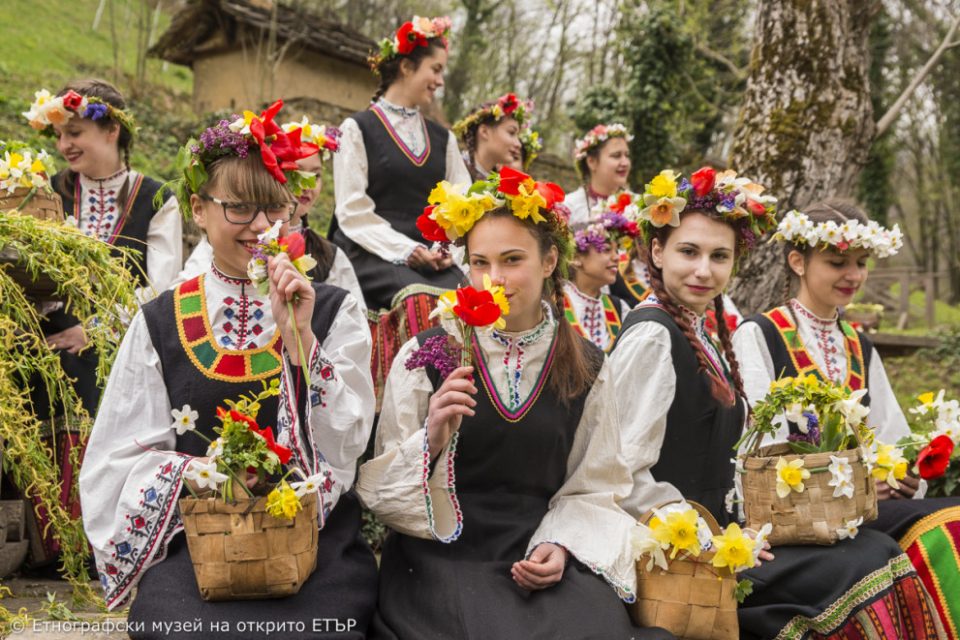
column 417, row 160
column 229, row 280
column 528, row 336
column 117, row 178
column 404, row 112
column 823, row 324
column 601, row 317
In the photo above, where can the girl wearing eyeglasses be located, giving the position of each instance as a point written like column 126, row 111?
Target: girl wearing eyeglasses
column 210, row 339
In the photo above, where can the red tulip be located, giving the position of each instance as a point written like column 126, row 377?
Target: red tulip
column 551, row 192
column 510, row 181
column 623, row 201
column 509, row 103
column 282, row 452
column 294, row 245
column 72, row 100
column 432, row 232
column 476, row 308
column 935, row 457
column 756, row 208
column 703, row 180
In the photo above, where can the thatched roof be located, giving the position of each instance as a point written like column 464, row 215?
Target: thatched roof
column 205, row 27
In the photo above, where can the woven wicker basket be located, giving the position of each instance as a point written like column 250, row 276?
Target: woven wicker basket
column 692, row 599
column 240, row 552
column 810, row 517
column 41, row 205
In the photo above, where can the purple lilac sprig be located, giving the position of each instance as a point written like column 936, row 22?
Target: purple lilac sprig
column 436, row 352
column 813, row 430
column 594, row 236
column 219, row 140
column 613, row 221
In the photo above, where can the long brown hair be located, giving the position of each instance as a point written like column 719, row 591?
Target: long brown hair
column 572, row 372
column 719, row 388
column 96, row 88
column 838, row 210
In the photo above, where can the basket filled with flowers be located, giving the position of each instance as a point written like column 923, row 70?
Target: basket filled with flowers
column 818, row 487
column 251, row 530
column 687, row 571
column 25, row 182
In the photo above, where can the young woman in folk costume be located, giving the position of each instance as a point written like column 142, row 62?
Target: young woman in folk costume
column 491, row 135
column 182, row 356
column 826, row 252
column 602, row 159
column 109, row 201
column 500, row 480
column 596, row 315
column 390, row 158
column 333, row 267
column 682, row 408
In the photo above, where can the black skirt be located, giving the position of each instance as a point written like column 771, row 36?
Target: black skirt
column 337, row 600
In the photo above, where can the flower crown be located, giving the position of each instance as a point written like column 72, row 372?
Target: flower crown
column 48, row 110
column 505, row 106
column 597, row 136
column 796, row 228
column 532, row 145
column 279, row 150
column 451, row 214
column 610, row 227
column 724, row 195
column 326, row 138
column 415, row 33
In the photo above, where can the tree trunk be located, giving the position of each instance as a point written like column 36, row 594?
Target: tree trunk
column 806, row 123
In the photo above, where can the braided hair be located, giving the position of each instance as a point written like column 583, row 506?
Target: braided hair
column 96, row 88
column 719, row 388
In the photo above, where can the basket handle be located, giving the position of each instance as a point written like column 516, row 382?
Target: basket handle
column 702, row 510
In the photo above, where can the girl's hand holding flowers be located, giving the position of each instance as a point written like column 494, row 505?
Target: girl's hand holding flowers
column 289, row 289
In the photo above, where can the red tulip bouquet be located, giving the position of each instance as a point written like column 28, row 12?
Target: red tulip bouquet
column 932, row 445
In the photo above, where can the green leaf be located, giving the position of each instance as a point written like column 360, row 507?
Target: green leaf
column 744, row 589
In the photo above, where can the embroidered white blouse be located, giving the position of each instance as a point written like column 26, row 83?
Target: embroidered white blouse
column 825, row 342
column 341, row 271
column 579, row 205
column 355, row 211
column 591, row 316
column 583, row 515
column 645, row 383
column 131, row 476
column 99, row 216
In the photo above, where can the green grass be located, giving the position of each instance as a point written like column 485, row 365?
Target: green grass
column 43, row 45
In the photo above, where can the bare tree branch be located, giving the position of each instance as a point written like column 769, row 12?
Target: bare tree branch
column 891, row 115
column 722, row 59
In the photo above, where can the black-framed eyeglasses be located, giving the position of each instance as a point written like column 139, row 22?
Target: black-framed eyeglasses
column 246, row 212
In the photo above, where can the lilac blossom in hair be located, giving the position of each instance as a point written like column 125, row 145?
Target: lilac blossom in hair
column 593, row 236
column 220, row 140
column 96, row 110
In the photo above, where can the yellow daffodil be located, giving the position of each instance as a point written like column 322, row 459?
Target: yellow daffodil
column 679, row 530
column 790, row 476
column 528, row 202
column 926, row 398
column 782, row 383
column 283, row 502
column 889, row 465
column 664, row 185
column 734, row 549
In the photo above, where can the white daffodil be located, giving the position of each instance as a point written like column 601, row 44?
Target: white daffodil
column 841, row 477
column 184, row 419
column 853, row 409
column 215, row 450
column 310, row 485
column 730, row 500
column 760, row 540
column 204, row 474
column 850, row 529
column 643, row 544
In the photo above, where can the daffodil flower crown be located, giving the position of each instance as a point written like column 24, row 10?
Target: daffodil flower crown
column 452, row 213
column 797, row 229
column 48, row 110
column 736, row 200
column 279, row 149
column 507, row 105
column 22, row 166
column 597, row 136
column 412, row 34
